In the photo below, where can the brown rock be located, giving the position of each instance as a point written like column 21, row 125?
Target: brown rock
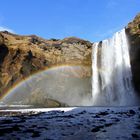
column 133, row 32
column 20, row 56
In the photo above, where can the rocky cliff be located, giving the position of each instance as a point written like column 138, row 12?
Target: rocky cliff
column 133, row 32
column 20, row 56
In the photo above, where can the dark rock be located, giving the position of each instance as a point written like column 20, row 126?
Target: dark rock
column 103, row 113
column 133, row 33
column 34, row 125
column 16, row 128
column 103, row 130
column 108, row 124
column 6, row 121
column 3, row 53
column 53, row 39
column 116, row 120
column 135, row 135
column 132, row 112
column 138, row 126
column 112, row 112
column 29, row 130
column 97, row 128
column 102, row 120
column 41, row 127
column 36, row 134
column 97, row 116
column 1, row 39
column 4, row 131
column 68, row 116
column 83, row 112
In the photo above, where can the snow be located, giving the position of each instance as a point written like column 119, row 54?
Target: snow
column 77, row 123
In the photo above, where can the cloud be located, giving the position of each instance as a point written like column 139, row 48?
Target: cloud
column 2, row 28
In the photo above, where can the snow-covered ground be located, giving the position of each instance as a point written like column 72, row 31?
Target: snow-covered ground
column 78, row 123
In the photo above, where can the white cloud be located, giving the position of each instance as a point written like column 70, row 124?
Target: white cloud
column 6, row 29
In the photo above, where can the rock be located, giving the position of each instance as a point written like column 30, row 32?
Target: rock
column 83, row 112
column 21, row 56
column 108, row 124
column 36, row 134
column 116, row 120
column 16, row 128
column 133, row 33
column 103, row 113
column 135, row 135
column 102, row 120
column 132, row 112
column 6, row 130
column 97, row 128
column 1, row 40
column 6, row 121
column 138, row 126
column 97, row 116
column 52, row 103
column 104, row 131
column 3, row 53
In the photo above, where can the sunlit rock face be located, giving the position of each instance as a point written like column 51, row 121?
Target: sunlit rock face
column 21, row 56
column 60, row 86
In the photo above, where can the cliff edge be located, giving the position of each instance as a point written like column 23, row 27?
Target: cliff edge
column 133, row 32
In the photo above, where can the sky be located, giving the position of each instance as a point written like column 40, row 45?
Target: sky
column 92, row 20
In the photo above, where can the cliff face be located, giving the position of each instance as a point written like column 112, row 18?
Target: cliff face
column 20, row 56
column 133, row 32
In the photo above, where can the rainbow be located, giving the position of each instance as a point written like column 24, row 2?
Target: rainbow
column 39, row 71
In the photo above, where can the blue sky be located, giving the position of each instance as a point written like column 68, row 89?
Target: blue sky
column 92, row 20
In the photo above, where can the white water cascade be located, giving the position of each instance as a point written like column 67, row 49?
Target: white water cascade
column 111, row 77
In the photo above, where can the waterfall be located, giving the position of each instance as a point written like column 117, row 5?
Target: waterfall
column 111, row 77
